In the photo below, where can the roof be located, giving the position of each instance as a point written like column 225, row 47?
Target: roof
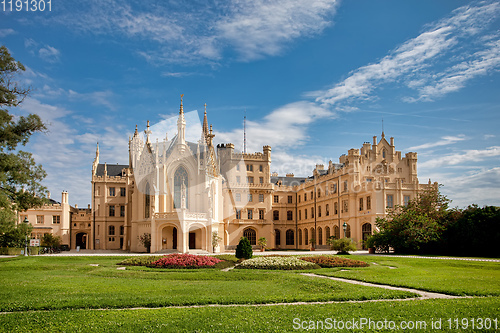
column 288, row 181
column 113, row 170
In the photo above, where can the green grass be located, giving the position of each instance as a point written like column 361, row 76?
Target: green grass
column 454, row 277
column 39, row 283
column 278, row 318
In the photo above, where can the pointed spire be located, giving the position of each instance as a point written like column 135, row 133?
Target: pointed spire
column 136, row 133
column 181, row 111
column 210, row 137
column 97, row 151
column 147, row 132
column 181, row 125
column 205, row 122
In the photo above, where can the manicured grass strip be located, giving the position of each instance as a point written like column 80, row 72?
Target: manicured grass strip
column 278, row 318
column 69, row 282
column 461, row 278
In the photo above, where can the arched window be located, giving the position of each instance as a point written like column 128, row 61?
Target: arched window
column 348, row 231
column 290, row 237
column 313, row 235
column 320, row 236
column 327, row 233
column 306, row 239
column 300, row 236
column 366, row 231
column 251, row 235
column 383, row 153
column 181, row 186
column 336, row 232
column 277, row 237
column 147, row 202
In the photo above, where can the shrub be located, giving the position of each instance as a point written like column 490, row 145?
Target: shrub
column 333, row 261
column 262, row 242
column 344, row 245
column 274, row 262
column 140, row 260
column 185, row 261
column 244, row 249
column 49, row 240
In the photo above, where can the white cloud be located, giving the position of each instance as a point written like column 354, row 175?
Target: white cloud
column 445, row 140
column 49, row 54
column 201, row 32
column 286, row 126
column 6, row 32
column 411, row 61
column 467, row 156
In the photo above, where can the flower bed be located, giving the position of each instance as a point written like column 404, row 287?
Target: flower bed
column 139, row 260
column 282, row 263
column 185, row 261
column 333, row 261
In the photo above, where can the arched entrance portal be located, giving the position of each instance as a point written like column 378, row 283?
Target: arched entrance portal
column 169, row 238
column 197, row 237
column 81, row 240
column 366, row 231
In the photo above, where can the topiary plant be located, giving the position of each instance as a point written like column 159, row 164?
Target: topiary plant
column 244, row 249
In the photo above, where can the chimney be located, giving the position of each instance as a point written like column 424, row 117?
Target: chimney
column 76, row 206
column 392, row 141
column 290, row 175
column 375, row 140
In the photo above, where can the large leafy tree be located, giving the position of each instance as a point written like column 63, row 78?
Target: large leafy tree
column 417, row 226
column 20, row 176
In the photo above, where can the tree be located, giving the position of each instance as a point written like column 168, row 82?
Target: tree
column 51, row 241
column 262, row 242
column 20, row 176
column 145, row 240
column 416, row 227
column 343, row 245
column 244, row 249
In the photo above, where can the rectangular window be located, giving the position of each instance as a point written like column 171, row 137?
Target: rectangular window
column 261, row 180
column 406, row 200
column 305, row 197
column 238, row 197
column 276, row 199
column 345, row 206
column 290, row 199
column 111, row 191
column 300, row 215
column 250, row 197
column 312, row 213
column 276, row 215
column 123, row 191
column 56, row 219
column 368, row 203
column 249, row 167
column 122, row 211
column 111, row 230
column 305, row 214
column 39, row 219
column 319, row 211
column 334, row 188
column 335, row 208
column 111, row 210
column 390, row 201
column 299, row 198
column 261, row 214
column 327, row 211
column 250, row 214
column 238, row 214
column 237, row 167
column 238, row 179
column 319, row 193
column 261, row 197
column 360, row 204
column 261, row 168
column 250, row 180
column 345, row 185
column 122, row 230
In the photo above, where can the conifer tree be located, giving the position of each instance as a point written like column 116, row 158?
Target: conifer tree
column 20, row 176
column 244, row 249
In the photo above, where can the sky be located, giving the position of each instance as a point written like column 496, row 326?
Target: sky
column 314, row 78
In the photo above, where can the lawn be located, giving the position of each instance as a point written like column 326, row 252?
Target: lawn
column 454, row 277
column 72, row 290
column 41, row 283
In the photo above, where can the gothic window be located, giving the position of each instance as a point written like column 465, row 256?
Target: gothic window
column 320, row 236
column 277, row 237
column 383, row 153
column 147, row 202
column 368, row 203
column 181, row 186
column 348, row 231
column 251, row 235
column 327, row 233
column 289, row 237
column 336, row 231
column 300, row 236
column 306, row 239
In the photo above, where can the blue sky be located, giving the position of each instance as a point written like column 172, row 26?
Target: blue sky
column 315, row 77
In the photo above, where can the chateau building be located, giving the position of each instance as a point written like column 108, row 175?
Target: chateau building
column 183, row 193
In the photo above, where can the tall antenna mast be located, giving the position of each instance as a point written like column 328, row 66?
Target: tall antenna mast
column 245, row 132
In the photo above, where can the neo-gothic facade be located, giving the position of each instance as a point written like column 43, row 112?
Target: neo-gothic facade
column 181, row 193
